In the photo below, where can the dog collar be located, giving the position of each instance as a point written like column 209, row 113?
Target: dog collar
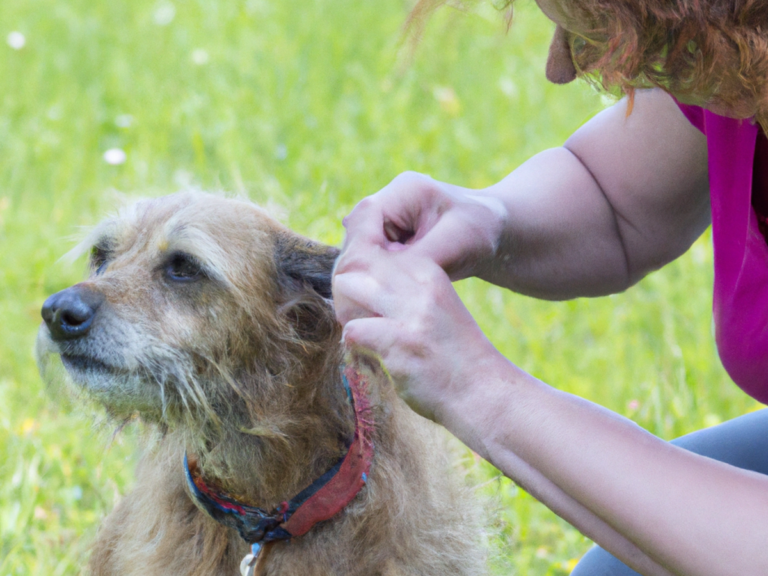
column 321, row 500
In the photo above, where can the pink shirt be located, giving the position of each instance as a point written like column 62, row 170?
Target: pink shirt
column 741, row 253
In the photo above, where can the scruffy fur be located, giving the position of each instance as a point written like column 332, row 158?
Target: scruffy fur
column 240, row 366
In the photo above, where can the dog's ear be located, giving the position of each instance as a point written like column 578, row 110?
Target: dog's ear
column 304, row 271
column 305, row 265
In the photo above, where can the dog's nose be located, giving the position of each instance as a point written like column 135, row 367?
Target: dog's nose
column 69, row 314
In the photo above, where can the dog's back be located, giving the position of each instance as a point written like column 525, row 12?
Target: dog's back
column 215, row 324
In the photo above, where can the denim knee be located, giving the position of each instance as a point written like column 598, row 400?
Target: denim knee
column 598, row 562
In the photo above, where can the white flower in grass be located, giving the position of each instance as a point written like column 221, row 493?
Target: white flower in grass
column 16, row 40
column 200, row 57
column 164, row 13
column 124, row 121
column 115, row 156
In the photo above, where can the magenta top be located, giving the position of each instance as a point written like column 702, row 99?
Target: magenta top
column 740, row 301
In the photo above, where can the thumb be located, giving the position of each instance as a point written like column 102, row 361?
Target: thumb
column 377, row 335
column 446, row 244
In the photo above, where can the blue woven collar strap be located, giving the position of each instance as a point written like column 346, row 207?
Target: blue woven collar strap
column 252, row 523
column 324, row 498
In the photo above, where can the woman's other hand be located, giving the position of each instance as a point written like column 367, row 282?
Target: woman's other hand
column 454, row 227
column 407, row 312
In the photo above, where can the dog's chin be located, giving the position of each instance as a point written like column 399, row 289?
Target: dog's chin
column 120, row 391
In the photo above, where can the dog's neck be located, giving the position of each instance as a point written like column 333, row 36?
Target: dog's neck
column 303, row 430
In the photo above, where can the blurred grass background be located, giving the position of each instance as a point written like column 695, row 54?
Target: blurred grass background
column 303, row 105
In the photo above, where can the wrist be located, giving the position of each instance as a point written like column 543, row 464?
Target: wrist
column 486, row 397
column 495, row 218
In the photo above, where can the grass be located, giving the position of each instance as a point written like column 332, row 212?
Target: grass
column 303, row 105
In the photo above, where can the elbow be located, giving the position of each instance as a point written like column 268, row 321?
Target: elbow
column 661, row 253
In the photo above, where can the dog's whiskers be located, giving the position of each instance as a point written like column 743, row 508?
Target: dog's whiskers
column 174, row 372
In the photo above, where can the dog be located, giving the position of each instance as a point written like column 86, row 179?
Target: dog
column 274, row 451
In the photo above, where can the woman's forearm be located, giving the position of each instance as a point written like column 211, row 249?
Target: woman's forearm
column 571, row 510
column 625, row 488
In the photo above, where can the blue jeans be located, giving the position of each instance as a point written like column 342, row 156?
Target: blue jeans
column 741, row 442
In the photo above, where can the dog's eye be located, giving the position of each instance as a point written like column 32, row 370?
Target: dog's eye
column 183, row 268
column 99, row 258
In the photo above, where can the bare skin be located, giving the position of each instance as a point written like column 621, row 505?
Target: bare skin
column 585, row 219
column 622, row 197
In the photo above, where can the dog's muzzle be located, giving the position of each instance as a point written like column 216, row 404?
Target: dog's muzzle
column 69, row 314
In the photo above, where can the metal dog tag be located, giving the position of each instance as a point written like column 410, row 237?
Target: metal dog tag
column 248, row 565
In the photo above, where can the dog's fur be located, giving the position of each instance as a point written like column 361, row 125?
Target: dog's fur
column 240, row 366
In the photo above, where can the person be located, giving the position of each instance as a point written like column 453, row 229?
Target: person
column 627, row 193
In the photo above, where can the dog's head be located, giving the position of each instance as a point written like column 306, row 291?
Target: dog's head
column 192, row 302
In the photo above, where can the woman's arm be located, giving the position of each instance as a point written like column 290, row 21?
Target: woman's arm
column 660, row 509
column 622, row 197
column 689, row 514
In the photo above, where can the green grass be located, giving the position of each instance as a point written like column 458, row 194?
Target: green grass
column 306, row 106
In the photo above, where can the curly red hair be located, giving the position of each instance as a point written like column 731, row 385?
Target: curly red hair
column 710, row 52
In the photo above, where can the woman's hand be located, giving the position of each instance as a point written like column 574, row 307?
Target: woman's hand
column 457, row 228
column 404, row 245
column 401, row 305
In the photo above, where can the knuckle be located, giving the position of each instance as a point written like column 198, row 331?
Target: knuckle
column 343, row 318
column 365, row 204
column 357, row 212
column 434, row 276
column 416, row 332
column 343, row 286
column 411, row 180
column 341, row 266
column 430, row 279
column 351, row 333
column 352, row 263
column 407, row 176
column 355, row 258
column 337, row 283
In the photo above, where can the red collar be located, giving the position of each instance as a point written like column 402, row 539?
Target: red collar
column 321, row 500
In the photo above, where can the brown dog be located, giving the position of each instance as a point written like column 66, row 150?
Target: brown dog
column 214, row 324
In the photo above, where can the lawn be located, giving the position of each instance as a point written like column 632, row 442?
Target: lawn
column 306, row 106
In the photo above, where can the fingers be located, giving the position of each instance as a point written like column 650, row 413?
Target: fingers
column 444, row 244
column 365, row 224
column 378, row 335
column 452, row 244
column 356, row 295
column 420, row 220
column 391, row 291
column 382, row 223
column 384, row 338
column 465, row 240
column 423, row 335
column 397, row 234
column 394, row 214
